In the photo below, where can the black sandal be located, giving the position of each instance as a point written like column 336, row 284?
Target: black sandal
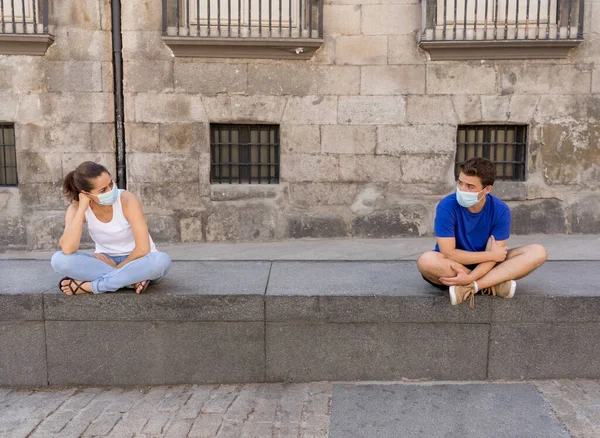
column 70, row 285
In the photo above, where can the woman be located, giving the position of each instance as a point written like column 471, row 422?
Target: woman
column 125, row 253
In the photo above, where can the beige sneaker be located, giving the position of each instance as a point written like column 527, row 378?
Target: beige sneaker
column 459, row 294
column 505, row 290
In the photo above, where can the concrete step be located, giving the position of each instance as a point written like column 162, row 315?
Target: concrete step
column 253, row 321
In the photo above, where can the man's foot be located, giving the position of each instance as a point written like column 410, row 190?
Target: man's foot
column 141, row 287
column 505, row 290
column 74, row 287
column 459, row 294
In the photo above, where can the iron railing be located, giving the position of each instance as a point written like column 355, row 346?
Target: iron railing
column 243, row 18
column 505, row 145
column 485, row 20
column 24, row 17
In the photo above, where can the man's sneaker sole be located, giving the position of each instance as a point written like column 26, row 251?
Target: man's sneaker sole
column 452, row 296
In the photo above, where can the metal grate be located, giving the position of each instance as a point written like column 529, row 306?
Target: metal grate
column 8, row 156
column 505, row 145
column 244, row 154
column 24, row 17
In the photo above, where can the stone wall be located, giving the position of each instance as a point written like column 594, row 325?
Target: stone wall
column 368, row 128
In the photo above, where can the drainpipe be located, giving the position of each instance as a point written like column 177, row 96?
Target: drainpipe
column 117, row 58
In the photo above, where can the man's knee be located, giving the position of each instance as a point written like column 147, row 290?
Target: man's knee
column 537, row 253
column 428, row 261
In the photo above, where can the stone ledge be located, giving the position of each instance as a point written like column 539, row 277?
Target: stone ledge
column 14, row 44
column 520, row 49
column 274, row 48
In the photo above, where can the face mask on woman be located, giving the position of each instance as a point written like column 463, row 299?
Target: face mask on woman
column 467, row 199
column 108, row 198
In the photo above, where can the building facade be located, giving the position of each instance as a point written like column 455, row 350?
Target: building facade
column 309, row 120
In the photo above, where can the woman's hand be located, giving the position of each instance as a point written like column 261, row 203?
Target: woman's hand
column 105, row 259
column 84, row 200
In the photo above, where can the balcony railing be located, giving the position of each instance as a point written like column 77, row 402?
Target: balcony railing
column 24, row 17
column 512, row 23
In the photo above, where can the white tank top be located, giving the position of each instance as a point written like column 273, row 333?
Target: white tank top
column 114, row 238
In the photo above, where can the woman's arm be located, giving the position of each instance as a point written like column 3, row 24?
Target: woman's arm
column 74, row 218
column 132, row 209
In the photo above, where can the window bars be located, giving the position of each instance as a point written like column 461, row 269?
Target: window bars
column 8, row 156
column 24, row 17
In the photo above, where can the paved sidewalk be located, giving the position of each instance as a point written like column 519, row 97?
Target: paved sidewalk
column 561, row 408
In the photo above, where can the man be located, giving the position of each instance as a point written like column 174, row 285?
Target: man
column 471, row 228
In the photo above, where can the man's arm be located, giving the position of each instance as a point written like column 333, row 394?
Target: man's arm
column 447, row 245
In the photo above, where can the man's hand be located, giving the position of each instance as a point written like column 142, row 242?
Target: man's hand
column 105, row 259
column 498, row 252
column 461, row 278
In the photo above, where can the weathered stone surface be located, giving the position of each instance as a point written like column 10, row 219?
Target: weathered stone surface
column 44, row 229
column 467, row 108
column 21, row 74
column 163, row 228
column 522, row 108
column 191, row 229
column 107, row 77
column 34, row 167
column 364, row 202
column 241, row 222
column 85, row 14
column 416, row 139
column 160, row 197
column 22, row 354
column 145, row 46
column 311, row 110
column 267, row 109
column 338, row 80
column 210, row 78
column 309, row 168
column 30, row 137
column 169, row 108
column 316, row 226
column 8, row 109
column 406, row 220
column 547, row 216
column 162, row 168
column 14, row 234
column 510, row 190
column 427, row 168
column 79, row 107
column 71, row 161
column 524, row 79
column 371, row 110
column 142, row 137
column 361, row 50
column 495, row 108
column 393, row 79
column 391, row 19
column 300, row 139
column 42, row 196
column 140, row 15
column 72, row 44
column 340, row 139
column 237, row 192
column 148, row 76
column 184, row 138
column 585, row 215
column 341, row 19
column 73, row 76
column 561, row 109
column 370, row 168
column 103, row 137
column 461, row 78
column 403, row 49
column 60, row 137
column 282, row 79
column 308, row 194
column 30, row 108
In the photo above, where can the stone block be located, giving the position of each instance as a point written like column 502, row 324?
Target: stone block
column 162, row 168
column 72, row 44
column 85, row 14
column 42, row 196
column 71, row 161
column 312, row 194
column 403, row 49
column 238, row 192
column 22, row 353
column 340, row 139
column 169, row 108
column 319, row 226
column 341, row 19
column 310, row 110
column 427, row 169
column 371, row 110
column 361, row 50
column 194, row 76
column 157, row 197
column 15, row 232
column 218, row 109
column 547, row 216
column 393, row 79
column 241, row 222
column 61, row 137
column 184, row 138
column 416, row 139
column 142, row 137
column 510, row 190
column 108, row 78
column 367, row 197
column 430, row 110
column 73, row 76
column 79, row 107
column 521, row 351
column 164, row 228
column 495, row 108
column 265, row 109
column 282, row 79
column 223, row 352
column 8, row 109
column 44, row 230
column 467, row 108
column 338, row 80
column 304, row 352
column 145, row 46
column 191, row 229
column 326, row 53
column 524, row 79
column 300, row 139
column 34, row 167
column 22, row 74
column 103, row 137
column 406, row 220
column 148, row 76
column 561, row 109
column 388, row 19
column 30, row 137
column 20, row 307
column 141, row 15
column 309, row 168
column 370, row 168
column 461, row 78
column 30, row 108
column 26, row 278
column 585, row 215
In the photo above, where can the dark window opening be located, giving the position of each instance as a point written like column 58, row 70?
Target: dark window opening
column 8, row 155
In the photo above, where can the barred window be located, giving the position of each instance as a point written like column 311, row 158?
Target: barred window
column 244, row 154
column 8, row 155
column 505, row 145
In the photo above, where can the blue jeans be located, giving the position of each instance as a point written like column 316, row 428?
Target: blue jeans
column 105, row 278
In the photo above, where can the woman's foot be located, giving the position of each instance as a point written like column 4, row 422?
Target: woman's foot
column 74, row 287
column 141, row 286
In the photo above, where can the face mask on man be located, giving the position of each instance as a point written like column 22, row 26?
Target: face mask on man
column 467, row 199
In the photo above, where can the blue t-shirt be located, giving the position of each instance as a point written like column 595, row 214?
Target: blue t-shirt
column 472, row 230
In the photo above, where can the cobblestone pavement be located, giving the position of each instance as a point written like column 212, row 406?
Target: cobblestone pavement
column 250, row 410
